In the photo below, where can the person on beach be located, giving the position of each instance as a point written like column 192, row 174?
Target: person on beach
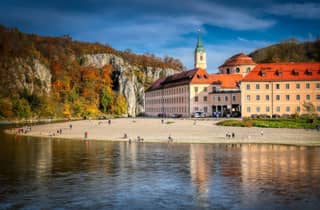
column 261, row 133
column 70, row 126
column 85, row 135
column 109, row 122
column 233, row 135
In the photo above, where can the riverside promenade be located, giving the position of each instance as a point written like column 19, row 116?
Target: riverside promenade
column 180, row 131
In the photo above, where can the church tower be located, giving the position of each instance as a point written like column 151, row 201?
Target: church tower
column 200, row 54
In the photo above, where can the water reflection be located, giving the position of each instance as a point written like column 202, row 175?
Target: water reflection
column 87, row 174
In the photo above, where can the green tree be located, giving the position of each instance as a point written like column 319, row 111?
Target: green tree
column 119, row 105
column 21, row 108
column 106, row 98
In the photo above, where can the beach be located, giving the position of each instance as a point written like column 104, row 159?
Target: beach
column 179, row 130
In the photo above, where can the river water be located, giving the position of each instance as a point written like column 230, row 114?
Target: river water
column 69, row 174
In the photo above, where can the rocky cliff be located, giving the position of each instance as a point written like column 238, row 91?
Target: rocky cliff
column 27, row 74
column 129, row 80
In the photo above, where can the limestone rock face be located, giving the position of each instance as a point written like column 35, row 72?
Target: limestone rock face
column 131, row 81
column 27, row 74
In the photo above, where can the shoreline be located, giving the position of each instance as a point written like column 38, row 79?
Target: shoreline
column 185, row 131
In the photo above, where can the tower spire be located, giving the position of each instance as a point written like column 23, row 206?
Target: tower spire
column 200, row 54
column 199, row 42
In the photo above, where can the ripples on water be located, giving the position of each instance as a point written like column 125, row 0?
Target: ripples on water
column 45, row 174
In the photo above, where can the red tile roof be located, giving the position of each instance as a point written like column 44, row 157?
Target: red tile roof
column 238, row 59
column 284, row 72
column 227, row 81
column 201, row 77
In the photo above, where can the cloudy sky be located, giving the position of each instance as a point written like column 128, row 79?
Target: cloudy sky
column 168, row 27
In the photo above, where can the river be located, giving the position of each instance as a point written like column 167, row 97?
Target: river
column 40, row 173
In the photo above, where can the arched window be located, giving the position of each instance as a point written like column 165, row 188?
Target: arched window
column 201, row 57
column 248, row 69
column 228, row 71
column 237, row 70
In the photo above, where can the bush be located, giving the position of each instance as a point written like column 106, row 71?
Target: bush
column 21, row 108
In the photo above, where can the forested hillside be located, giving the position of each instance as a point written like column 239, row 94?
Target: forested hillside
column 288, row 51
column 50, row 76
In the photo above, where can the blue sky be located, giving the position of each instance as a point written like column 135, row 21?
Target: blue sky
column 168, row 27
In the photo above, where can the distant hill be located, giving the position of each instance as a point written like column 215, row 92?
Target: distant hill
column 288, row 51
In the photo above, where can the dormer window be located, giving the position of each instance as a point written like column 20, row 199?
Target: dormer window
column 199, row 76
column 205, row 76
column 278, row 73
column 295, row 72
column 262, row 73
column 308, row 72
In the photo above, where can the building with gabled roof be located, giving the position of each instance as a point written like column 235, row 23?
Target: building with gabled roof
column 280, row 89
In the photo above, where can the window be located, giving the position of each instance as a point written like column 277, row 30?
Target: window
column 233, row 98
column 248, row 97
column 214, row 89
column 277, row 86
column 205, row 109
column 205, row 98
column 226, row 98
column 237, row 70
column 298, row 109
column 287, row 86
column 196, row 108
column 278, row 109
column 298, row 86
column 267, row 86
column 318, row 85
column 308, row 85
column 257, row 97
column 318, row 108
column 298, row 97
column 288, row 109
column 248, row 70
column 201, row 57
column 267, row 97
column 205, row 89
column 196, row 99
column 287, row 97
column 219, row 98
column 257, row 109
column 257, row 86
column 248, row 87
column 307, row 97
column 318, row 97
column 267, row 109
column 228, row 71
column 196, row 89
column 248, row 109
column 278, row 97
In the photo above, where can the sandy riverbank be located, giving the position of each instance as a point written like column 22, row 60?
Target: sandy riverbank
column 181, row 130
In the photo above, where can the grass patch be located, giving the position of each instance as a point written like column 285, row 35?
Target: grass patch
column 305, row 123
column 169, row 122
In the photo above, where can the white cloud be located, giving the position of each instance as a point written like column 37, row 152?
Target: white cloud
column 296, row 10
